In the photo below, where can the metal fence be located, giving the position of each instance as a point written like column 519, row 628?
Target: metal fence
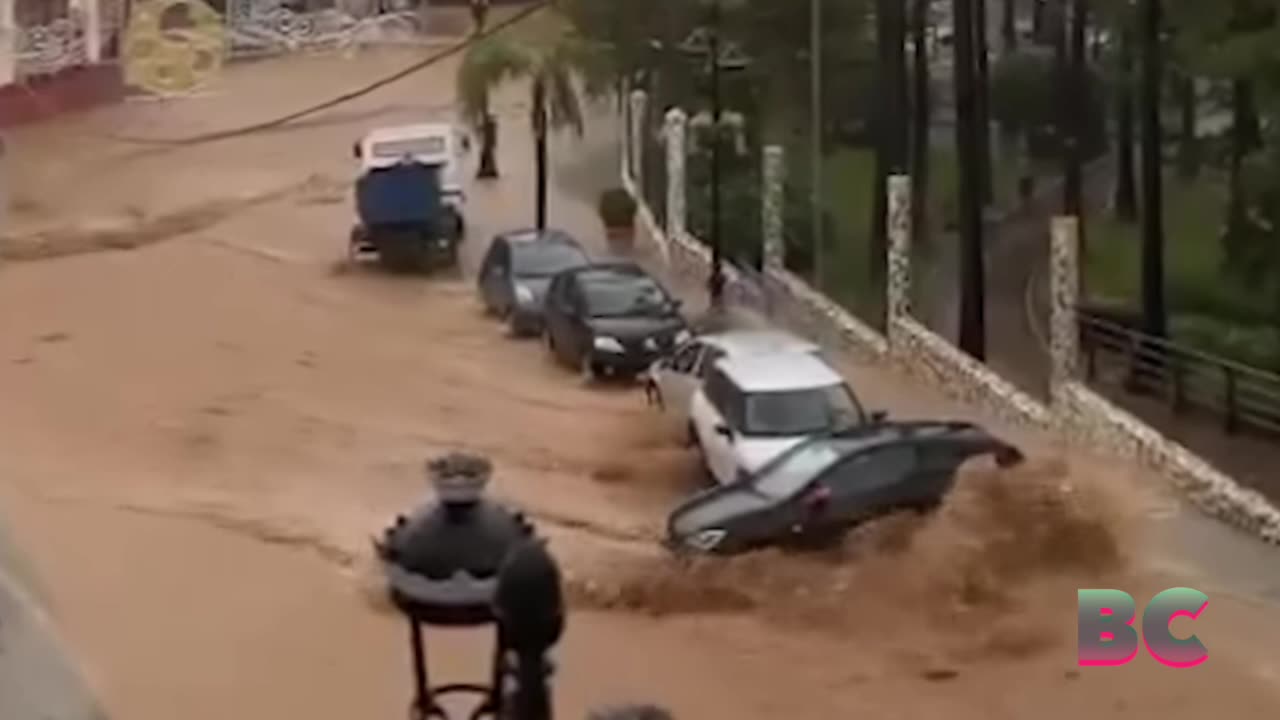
column 1242, row 397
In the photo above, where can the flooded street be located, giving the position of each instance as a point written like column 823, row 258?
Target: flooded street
column 204, row 415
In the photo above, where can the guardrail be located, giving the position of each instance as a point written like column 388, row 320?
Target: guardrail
column 1244, row 397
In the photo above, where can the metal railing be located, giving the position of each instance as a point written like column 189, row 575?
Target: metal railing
column 1243, row 397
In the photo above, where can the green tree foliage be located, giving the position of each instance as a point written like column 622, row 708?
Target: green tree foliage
column 1024, row 97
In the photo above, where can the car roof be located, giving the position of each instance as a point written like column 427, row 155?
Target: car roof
column 758, row 342
column 524, row 236
column 891, row 432
column 610, row 268
column 408, row 132
column 779, row 372
column 866, row 437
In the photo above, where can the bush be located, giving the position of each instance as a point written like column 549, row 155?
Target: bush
column 617, row 208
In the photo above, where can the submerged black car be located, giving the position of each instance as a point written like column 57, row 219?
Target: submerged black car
column 830, row 483
column 516, row 271
column 611, row 318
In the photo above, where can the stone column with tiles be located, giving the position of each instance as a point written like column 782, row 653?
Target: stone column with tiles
column 675, row 133
column 639, row 102
column 771, row 209
column 1064, row 295
column 8, row 43
column 898, row 287
column 91, row 17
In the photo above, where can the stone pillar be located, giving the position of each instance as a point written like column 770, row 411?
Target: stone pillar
column 898, row 287
column 91, row 16
column 1064, row 294
column 8, row 43
column 639, row 104
column 624, row 134
column 771, row 208
column 675, row 133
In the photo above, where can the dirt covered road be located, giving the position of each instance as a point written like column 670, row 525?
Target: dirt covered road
column 204, row 414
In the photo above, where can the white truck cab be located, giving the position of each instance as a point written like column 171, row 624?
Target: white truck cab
column 438, row 144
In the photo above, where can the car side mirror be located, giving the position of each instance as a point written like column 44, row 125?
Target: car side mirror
column 1009, row 456
column 879, row 416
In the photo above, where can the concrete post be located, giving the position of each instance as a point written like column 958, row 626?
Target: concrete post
column 898, row 288
column 8, row 43
column 91, row 16
column 771, row 208
column 676, row 128
column 639, row 104
column 1064, row 294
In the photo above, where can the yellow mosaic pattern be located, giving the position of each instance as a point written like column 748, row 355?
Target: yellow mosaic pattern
column 173, row 46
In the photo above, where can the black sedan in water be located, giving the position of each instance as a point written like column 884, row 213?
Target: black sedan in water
column 611, row 318
column 829, row 483
column 516, row 271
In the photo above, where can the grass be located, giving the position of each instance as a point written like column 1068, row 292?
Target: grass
column 1193, row 213
column 1208, row 310
column 847, row 176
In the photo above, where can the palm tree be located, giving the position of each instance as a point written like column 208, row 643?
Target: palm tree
column 555, row 72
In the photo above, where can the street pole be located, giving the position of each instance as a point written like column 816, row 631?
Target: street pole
column 815, row 130
column 715, row 283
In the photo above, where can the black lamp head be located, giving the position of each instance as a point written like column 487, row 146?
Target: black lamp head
column 528, row 601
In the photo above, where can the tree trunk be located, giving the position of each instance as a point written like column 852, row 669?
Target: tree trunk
column 891, row 132
column 973, row 332
column 1189, row 143
column 982, row 102
column 540, row 152
column 921, row 111
column 1126, row 191
column 1154, row 313
column 488, row 167
column 1245, row 137
column 1072, row 119
column 1009, row 27
column 1038, row 29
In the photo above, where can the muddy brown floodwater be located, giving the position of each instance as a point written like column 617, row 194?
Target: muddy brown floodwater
column 203, row 416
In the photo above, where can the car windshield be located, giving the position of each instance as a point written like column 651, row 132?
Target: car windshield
column 801, row 412
column 794, row 470
column 619, row 295
column 535, row 260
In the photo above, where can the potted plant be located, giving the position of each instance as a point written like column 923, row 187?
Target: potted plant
column 618, row 211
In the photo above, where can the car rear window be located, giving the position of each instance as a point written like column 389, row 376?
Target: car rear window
column 615, row 295
column 800, row 412
column 536, row 259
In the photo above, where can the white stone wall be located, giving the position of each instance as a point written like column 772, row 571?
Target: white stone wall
column 1077, row 414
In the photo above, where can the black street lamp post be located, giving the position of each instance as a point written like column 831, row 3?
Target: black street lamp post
column 705, row 44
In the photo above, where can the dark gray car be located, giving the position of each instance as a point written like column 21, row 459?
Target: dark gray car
column 829, row 483
column 516, row 271
column 611, row 318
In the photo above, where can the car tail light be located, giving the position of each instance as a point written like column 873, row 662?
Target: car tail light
column 818, row 499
